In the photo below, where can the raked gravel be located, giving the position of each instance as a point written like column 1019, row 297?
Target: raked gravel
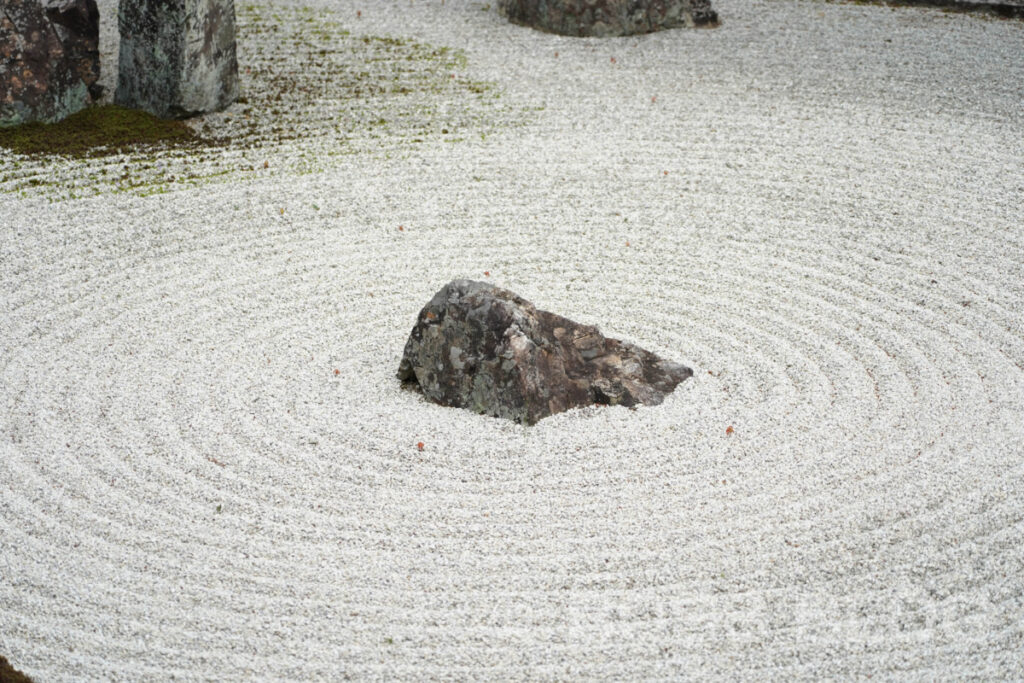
column 209, row 471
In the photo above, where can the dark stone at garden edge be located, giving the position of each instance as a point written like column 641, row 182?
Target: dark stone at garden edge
column 8, row 674
column 486, row 349
column 603, row 18
column 49, row 59
column 177, row 57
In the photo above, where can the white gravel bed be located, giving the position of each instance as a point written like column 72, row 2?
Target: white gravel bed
column 209, row 470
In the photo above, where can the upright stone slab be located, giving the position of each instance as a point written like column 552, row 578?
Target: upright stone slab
column 602, row 18
column 49, row 59
column 177, row 56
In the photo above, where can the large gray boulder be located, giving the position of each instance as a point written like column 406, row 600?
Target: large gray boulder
column 601, row 18
column 177, row 56
column 49, row 59
column 480, row 347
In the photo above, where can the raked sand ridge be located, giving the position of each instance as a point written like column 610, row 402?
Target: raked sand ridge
column 209, row 470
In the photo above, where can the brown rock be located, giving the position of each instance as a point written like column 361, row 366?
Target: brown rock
column 51, row 64
column 486, row 349
column 601, row 18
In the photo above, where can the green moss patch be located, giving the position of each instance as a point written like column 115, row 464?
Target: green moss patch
column 96, row 132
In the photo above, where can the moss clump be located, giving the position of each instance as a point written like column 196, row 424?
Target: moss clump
column 98, row 131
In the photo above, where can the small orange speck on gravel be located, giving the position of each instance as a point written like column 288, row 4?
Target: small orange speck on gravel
column 419, row 446
column 337, row 371
column 487, row 273
column 729, row 430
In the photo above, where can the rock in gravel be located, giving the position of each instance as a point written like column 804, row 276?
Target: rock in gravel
column 8, row 674
column 602, row 18
column 177, row 57
column 483, row 348
column 49, row 59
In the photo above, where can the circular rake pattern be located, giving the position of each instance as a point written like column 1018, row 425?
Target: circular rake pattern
column 210, row 469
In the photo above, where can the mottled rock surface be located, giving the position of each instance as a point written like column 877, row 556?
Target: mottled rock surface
column 177, row 57
column 601, row 18
column 49, row 59
column 480, row 347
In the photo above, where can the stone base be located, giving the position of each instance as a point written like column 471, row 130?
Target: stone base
column 177, row 57
column 603, row 18
column 49, row 59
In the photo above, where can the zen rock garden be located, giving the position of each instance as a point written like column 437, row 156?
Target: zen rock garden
column 483, row 348
column 177, row 58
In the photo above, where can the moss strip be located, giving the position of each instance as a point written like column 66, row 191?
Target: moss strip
column 96, row 132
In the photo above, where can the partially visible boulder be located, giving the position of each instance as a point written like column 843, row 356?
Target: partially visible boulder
column 480, row 347
column 49, row 59
column 177, row 57
column 602, row 18
column 8, row 674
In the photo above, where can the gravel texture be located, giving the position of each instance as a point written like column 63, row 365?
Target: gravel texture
column 209, row 470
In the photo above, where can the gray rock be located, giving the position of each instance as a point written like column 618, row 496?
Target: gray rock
column 602, row 18
column 480, row 347
column 49, row 59
column 177, row 56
